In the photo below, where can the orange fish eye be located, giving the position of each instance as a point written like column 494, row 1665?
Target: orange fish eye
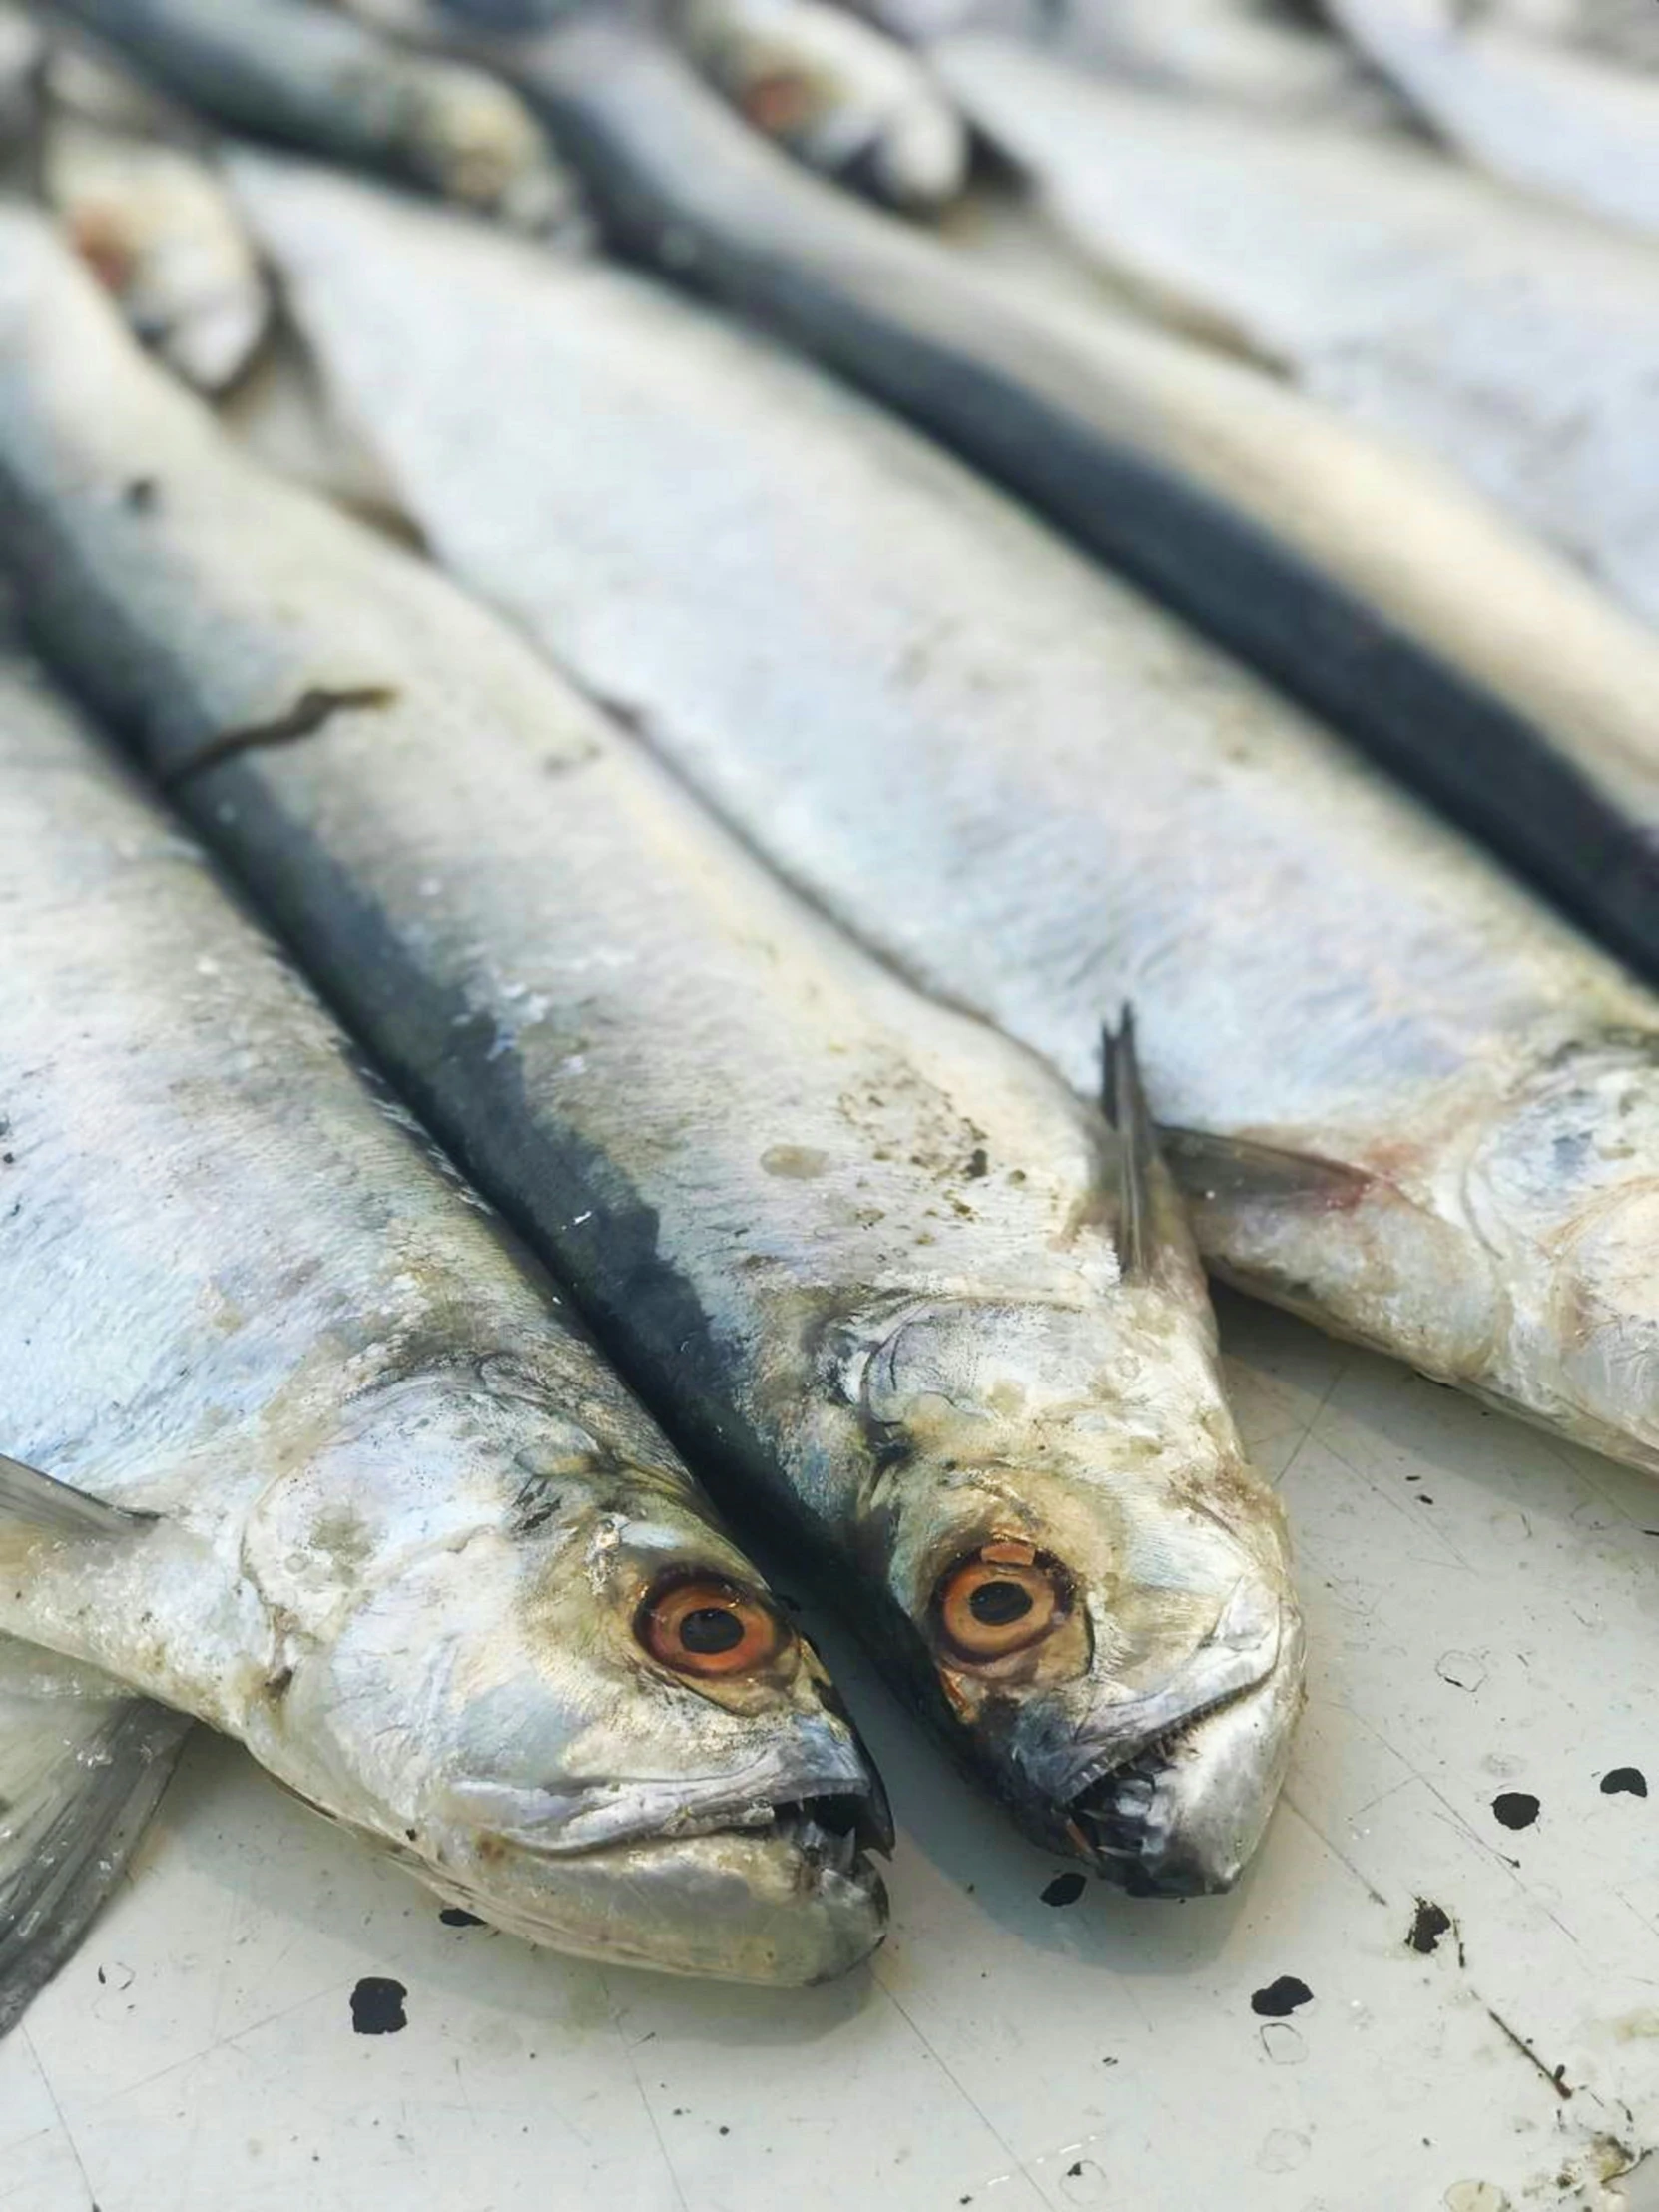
column 1001, row 1599
column 704, row 1625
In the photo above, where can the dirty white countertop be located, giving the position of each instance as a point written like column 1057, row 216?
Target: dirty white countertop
column 1483, row 1614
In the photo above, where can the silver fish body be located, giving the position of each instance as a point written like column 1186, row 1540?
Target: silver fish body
column 1415, row 1108
column 885, row 1273
column 833, row 91
column 401, row 1531
column 22, row 56
column 1516, row 342
column 1579, row 128
column 1255, row 512
column 1616, row 29
column 298, row 72
column 1241, row 51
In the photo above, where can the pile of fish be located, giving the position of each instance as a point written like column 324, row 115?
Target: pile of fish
column 804, row 910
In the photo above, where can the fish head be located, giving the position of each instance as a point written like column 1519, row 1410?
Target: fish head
column 1562, row 1188
column 585, row 1719
column 1099, row 1583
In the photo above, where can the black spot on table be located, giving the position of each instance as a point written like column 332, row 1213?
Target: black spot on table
column 141, row 494
column 457, row 1915
column 1515, row 1808
column 1281, row 1997
column 377, row 2007
column 1065, row 1889
column 1431, row 1922
column 1624, row 1782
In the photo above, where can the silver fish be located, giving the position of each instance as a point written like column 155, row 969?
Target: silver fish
column 1410, row 1104
column 1247, row 52
column 297, row 1441
column 1619, row 29
column 1517, row 343
column 300, row 73
column 884, row 1271
column 155, row 225
column 22, row 57
column 1173, row 469
column 833, row 91
column 1578, row 128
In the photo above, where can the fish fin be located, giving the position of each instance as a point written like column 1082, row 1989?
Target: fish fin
column 1123, row 1102
column 1237, row 1170
column 44, row 1502
column 83, row 1764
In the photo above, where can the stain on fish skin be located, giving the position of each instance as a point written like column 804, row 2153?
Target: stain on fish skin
column 1065, row 1889
column 1517, row 1807
column 140, row 495
column 309, row 712
column 457, row 1915
column 1281, row 1997
column 1429, row 1924
column 1624, row 1781
column 377, row 2007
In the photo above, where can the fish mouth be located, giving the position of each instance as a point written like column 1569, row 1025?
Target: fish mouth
column 1175, row 1805
column 1182, row 1812
column 787, row 1900
column 1120, row 1816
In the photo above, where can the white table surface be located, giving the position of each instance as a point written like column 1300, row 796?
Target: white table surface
column 1485, row 1618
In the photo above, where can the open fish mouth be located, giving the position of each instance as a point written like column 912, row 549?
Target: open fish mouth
column 1123, row 1815
column 839, row 1833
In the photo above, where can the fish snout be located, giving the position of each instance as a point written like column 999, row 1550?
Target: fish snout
column 1168, row 1792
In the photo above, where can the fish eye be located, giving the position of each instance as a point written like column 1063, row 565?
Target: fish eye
column 702, row 1624
column 999, row 1599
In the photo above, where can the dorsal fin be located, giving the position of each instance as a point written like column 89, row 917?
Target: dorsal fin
column 1124, row 1103
column 43, row 1503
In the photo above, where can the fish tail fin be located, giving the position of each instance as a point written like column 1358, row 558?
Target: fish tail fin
column 83, row 1764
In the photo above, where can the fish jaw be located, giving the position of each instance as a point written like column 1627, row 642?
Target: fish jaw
column 795, row 1902
column 1183, row 1813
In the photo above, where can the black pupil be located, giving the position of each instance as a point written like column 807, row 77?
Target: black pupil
column 710, row 1630
column 996, row 1604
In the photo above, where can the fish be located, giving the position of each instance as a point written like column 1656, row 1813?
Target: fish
column 1246, row 52
column 305, row 75
column 1620, row 30
column 1166, row 458
column 1403, row 1100
column 1574, row 127
column 156, row 226
column 833, row 91
column 22, row 56
column 885, row 1277
column 1511, row 340
column 300, row 1444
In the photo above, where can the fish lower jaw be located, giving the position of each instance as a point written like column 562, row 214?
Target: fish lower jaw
column 1118, row 1819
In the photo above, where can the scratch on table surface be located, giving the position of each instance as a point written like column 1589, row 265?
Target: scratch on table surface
column 616, row 2015
column 63, row 2124
column 1421, row 1522
column 1336, row 1850
column 1015, row 2162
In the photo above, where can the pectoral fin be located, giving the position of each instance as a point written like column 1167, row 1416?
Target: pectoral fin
column 83, row 1764
column 1238, row 1170
column 43, row 1503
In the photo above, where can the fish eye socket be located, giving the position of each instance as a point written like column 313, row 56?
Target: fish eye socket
column 1000, row 1599
column 704, row 1625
